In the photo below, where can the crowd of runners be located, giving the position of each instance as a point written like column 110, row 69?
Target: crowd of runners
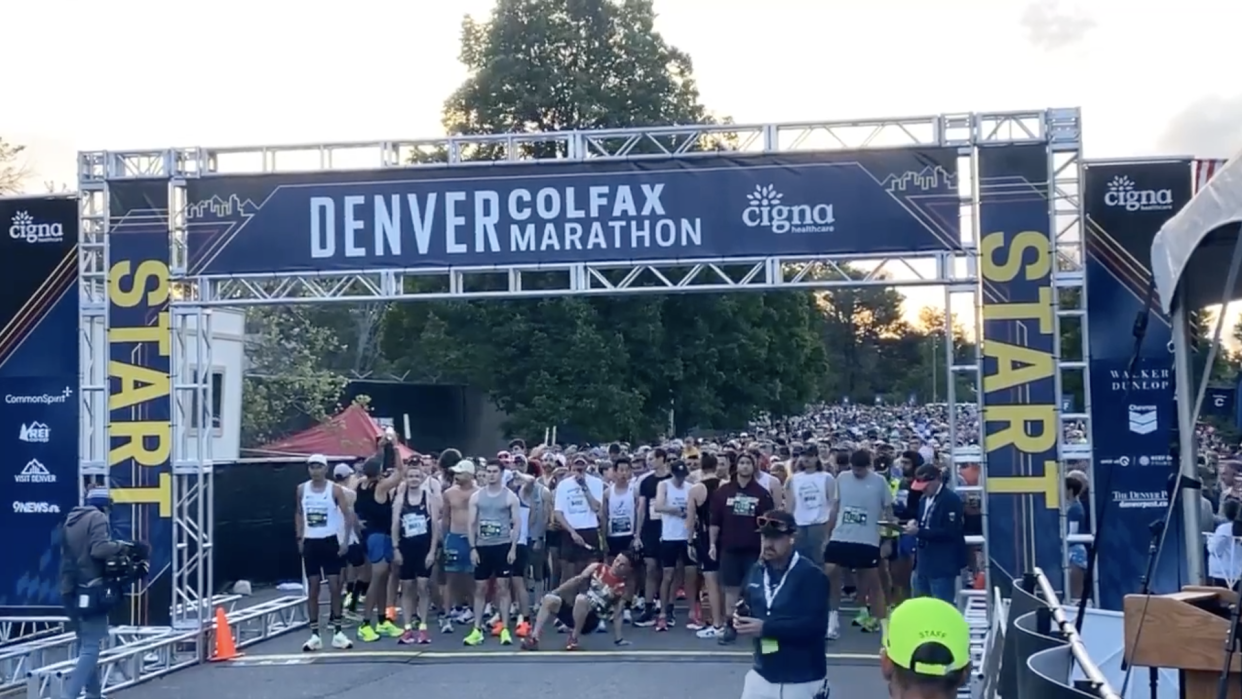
column 599, row 538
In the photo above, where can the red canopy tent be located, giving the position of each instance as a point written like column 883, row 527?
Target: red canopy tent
column 352, row 432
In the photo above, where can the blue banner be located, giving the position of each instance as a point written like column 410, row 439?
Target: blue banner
column 1132, row 410
column 140, row 389
column 39, row 419
column 1020, row 410
column 709, row 207
column 40, row 408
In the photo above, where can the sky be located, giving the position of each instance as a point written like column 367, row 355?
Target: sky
column 132, row 74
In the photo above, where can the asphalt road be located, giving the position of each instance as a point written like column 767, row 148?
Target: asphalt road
column 656, row 664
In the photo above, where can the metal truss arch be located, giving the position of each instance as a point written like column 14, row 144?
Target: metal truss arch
column 195, row 293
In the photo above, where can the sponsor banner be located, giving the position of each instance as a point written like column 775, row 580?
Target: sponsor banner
column 139, row 391
column 39, row 438
column 1219, row 402
column 1132, row 411
column 715, row 206
column 38, row 309
column 1020, row 410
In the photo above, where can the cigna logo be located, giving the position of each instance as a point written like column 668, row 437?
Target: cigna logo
column 767, row 210
column 1124, row 194
column 26, row 228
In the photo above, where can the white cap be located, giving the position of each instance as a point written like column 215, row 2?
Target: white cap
column 464, row 466
column 319, row 459
column 342, row 471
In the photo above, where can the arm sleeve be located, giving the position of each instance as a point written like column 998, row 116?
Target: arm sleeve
column 805, row 620
column 99, row 538
column 948, row 525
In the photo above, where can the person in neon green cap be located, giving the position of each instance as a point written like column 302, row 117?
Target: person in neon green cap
column 926, row 653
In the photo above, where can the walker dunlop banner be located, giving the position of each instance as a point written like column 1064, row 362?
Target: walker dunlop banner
column 1020, row 410
column 139, row 390
column 38, row 382
column 1132, row 411
column 711, row 207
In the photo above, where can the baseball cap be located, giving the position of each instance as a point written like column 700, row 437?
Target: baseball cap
column 342, row 471
column 929, row 637
column 317, row 459
column 927, row 473
column 776, row 523
column 679, row 469
column 465, row 466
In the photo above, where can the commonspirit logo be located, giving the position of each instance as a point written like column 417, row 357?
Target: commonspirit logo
column 40, row 399
column 26, row 228
column 766, row 210
column 1123, row 193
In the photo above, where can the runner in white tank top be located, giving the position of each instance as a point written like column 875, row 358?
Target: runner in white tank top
column 676, row 540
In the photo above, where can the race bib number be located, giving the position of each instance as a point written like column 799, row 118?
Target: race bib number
column 413, row 525
column 491, row 530
column 317, row 517
column 620, row 525
column 853, row 515
column 743, row 506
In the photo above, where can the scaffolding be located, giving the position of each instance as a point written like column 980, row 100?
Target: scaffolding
column 194, row 296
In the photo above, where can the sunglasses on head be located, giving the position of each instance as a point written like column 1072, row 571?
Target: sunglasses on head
column 772, row 524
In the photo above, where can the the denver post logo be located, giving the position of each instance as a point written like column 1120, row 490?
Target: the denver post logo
column 1123, row 193
column 35, row 433
column 25, row 228
column 1143, row 419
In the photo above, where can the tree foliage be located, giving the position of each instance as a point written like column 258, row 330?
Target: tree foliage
column 12, row 170
column 602, row 366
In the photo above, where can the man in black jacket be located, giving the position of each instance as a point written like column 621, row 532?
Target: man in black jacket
column 784, row 609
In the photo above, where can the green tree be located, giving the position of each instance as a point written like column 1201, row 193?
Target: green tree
column 601, row 367
column 12, row 170
column 287, row 386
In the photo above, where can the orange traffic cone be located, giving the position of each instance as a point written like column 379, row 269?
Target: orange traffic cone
column 225, row 649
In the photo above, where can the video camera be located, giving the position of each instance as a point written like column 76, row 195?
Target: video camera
column 132, row 563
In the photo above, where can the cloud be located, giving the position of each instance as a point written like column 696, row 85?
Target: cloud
column 1051, row 26
column 1208, row 128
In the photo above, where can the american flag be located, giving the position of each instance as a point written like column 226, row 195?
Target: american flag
column 1205, row 170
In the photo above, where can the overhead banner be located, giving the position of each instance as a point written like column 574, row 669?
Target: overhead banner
column 1020, row 410
column 40, row 409
column 1132, row 410
column 712, row 207
column 140, row 389
column 1218, row 403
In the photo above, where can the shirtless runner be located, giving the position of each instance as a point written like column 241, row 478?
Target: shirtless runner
column 458, row 568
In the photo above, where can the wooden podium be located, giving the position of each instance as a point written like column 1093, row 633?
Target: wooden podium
column 1181, row 631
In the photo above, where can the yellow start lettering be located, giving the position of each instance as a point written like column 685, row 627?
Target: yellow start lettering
column 1016, row 334
column 147, row 443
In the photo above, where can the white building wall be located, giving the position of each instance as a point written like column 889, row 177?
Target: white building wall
column 227, row 362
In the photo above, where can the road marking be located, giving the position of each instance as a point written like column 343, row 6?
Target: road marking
column 303, row 658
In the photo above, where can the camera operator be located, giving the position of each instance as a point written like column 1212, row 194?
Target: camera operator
column 94, row 568
column 784, row 608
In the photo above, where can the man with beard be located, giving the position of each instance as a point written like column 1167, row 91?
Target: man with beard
column 734, row 538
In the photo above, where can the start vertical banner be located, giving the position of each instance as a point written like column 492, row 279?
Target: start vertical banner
column 1020, row 411
column 1132, row 411
column 139, row 386
column 39, row 406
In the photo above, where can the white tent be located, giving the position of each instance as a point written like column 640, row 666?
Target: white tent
column 1196, row 258
column 1191, row 255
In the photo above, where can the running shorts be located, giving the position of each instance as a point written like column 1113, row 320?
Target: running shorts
column 573, row 553
column 735, row 566
column 457, row 554
column 619, row 544
column 674, row 553
column 706, row 563
column 414, row 557
column 379, row 547
column 322, row 557
column 493, row 563
column 852, row 556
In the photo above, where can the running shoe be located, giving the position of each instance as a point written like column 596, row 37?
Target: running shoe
column 422, row 638
column 523, row 629
column 661, row 624
column 530, row 643
column 709, row 632
column 446, row 625
column 389, row 629
column 474, row 638
column 313, row 643
column 407, row 638
column 341, row 642
column 367, row 634
column 506, row 638
column 572, row 643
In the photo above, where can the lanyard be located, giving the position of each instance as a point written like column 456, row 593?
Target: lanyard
column 931, row 502
column 769, row 592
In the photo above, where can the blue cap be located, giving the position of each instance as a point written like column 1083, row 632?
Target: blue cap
column 98, row 497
